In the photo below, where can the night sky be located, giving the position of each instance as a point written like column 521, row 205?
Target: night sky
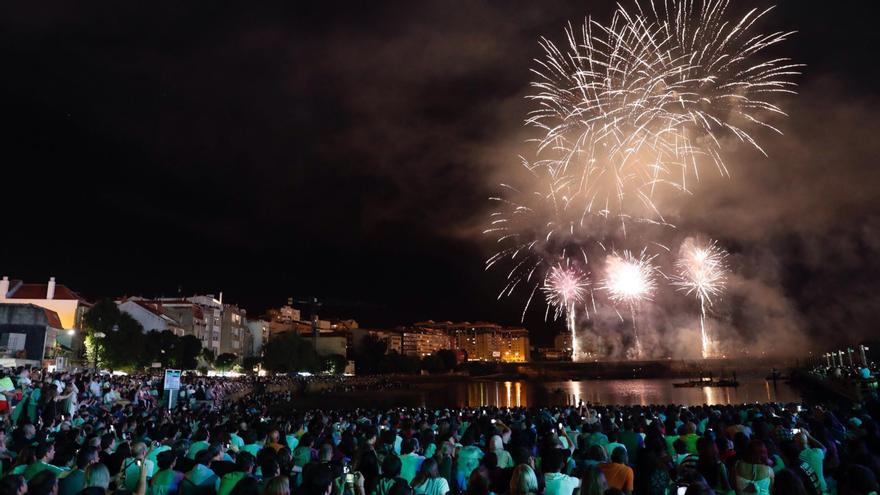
column 347, row 151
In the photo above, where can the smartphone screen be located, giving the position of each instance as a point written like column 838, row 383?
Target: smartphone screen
column 560, row 426
column 682, row 490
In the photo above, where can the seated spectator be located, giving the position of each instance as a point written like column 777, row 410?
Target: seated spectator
column 43, row 483
column 166, row 481
column 97, row 480
column 523, row 481
column 555, row 482
column 617, row 473
column 429, row 481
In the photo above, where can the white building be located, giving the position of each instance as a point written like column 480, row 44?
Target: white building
column 67, row 304
column 212, row 309
column 151, row 316
column 259, row 330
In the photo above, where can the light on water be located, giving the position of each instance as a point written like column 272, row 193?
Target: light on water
column 622, row 392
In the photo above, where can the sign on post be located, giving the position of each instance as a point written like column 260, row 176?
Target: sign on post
column 172, row 379
column 172, row 385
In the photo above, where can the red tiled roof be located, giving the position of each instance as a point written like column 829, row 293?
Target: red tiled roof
column 53, row 319
column 155, row 308
column 38, row 291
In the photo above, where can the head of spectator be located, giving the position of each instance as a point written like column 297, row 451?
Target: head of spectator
column 523, row 481
column 278, row 485
column 593, row 482
column 13, row 484
column 43, row 483
column 478, row 482
column 98, row 476
column 391, row 466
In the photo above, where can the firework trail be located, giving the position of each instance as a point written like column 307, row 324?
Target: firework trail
column 701, row 271
column 630, row 280
column 565, row 288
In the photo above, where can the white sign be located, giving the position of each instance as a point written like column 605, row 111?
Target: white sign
column 14, row 341
column 172, row 379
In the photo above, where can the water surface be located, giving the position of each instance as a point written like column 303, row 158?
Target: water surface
column 624, row 392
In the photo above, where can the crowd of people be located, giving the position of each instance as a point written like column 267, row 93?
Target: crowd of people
column 93, row 434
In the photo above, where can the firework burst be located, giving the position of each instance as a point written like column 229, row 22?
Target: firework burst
column 565, row 289
column 630, row 280
column 701, row 271
column 625, row 107
column 622, row 110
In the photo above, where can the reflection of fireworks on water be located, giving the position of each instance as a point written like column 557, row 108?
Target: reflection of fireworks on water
column 565, row 288
column 701, row 271
column 630, row 280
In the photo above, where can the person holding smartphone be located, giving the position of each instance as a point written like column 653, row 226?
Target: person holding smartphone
column 131, row 467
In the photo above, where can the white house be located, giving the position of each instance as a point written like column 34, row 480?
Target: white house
column 150, row 315
column 67, row 304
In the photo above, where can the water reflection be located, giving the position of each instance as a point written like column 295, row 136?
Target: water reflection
column 629, row 392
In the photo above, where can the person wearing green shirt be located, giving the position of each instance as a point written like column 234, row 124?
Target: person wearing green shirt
column 45, row 453
column 235, row 440
column 251, row 445
column 410, row 460
column 813, row 453
column 75, row 481
column 153, row 455
column 201, row 478
column 690, row 437
column 166, row 480
column 201, row 443
column 131, row 467
column 244, row 467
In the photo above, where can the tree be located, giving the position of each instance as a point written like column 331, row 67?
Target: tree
column 114, row 339
column 394, row 362
column 208, row 355
column 372, row 350
column 225, row 361
column 449, row 359
column 335, row 363
column 251, row 362
column 289, row 352
column 159, row 347
column 433, row 364
column 186, row 352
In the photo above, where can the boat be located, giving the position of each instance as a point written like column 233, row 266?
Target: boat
column 707, row 382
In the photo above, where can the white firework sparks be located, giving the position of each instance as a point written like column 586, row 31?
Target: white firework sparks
column 701, row 271
column 640, row 102
column 622, row 110
column 565, row 287
column 630, row 279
